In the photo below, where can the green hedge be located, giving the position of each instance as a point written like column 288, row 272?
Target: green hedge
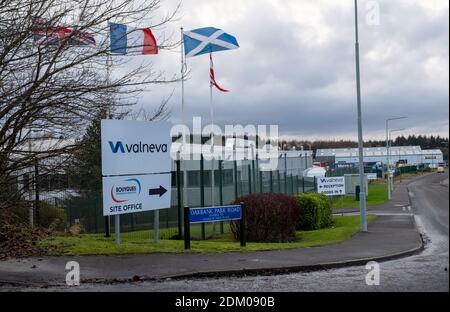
column 315, row 212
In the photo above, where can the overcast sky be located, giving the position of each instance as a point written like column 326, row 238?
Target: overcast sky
column 296, row 66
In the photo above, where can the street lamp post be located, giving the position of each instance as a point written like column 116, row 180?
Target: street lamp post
column 388, row 154
column 362, row 194
column 391, row 184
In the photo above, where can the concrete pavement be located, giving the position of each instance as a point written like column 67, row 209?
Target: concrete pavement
column 392, row 234
column 400, row 201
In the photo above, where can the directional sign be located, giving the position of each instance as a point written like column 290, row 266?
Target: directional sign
column 331, row 186
column 128, row 194
column 135, row 147
column 157, row 191
column 372, row 176
column 214, row 214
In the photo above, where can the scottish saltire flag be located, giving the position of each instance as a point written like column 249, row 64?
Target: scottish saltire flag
column 206, row 40
column 128, row 40
column 212, row 76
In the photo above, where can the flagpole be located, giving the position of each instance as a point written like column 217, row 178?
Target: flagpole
column 212, row 133
column 183, row 118
column 109, row 116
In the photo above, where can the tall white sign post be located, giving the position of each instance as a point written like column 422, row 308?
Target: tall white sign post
column 136, row 168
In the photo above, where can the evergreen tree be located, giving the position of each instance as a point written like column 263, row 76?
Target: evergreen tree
column 86, row 172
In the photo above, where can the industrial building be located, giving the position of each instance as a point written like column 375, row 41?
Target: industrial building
column 293, row 163
column 411, row 155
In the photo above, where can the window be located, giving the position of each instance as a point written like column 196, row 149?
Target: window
column 193, row 178
column 207, row 178
column 227, row 176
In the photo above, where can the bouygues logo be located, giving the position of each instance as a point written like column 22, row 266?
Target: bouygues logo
column 125, row 190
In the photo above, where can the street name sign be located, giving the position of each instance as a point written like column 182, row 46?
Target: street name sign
column 135, row 147
column 214, row 214
column 136, row 193
column 332, row 186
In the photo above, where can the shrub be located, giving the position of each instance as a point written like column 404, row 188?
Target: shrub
column 315, row 211
column 74, row 230
column 51, row 216
column 269, row 217
column 19, row 240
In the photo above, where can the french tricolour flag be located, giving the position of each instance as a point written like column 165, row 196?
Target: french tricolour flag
column 128, row 40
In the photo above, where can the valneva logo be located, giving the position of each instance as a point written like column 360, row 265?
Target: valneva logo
column 126, row 190
column 330, row 180
column 136, row 148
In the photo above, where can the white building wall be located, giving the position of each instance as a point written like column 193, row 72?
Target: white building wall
column 412, row 154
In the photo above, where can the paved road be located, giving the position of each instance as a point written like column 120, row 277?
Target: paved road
column 426, row 271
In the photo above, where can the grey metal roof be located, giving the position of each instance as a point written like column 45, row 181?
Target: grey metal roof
column 375, row 151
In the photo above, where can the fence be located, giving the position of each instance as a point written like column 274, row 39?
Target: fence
column 233, row 179
column 339, row 172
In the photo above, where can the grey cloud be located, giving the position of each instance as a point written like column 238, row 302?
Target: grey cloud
column 309, row 90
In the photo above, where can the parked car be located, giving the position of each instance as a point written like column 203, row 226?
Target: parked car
column 440, row 169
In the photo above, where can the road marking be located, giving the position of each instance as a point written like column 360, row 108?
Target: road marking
column 378, row 213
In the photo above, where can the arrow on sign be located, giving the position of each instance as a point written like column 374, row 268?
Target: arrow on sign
column 157, row 191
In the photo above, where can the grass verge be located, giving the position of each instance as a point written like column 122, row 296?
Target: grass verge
column 377, row 196
column 95, row 244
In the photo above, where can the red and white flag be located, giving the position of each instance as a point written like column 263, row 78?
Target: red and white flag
column 46, row 34
column 212, row 78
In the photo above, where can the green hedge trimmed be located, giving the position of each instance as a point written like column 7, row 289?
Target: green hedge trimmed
column 315, row 211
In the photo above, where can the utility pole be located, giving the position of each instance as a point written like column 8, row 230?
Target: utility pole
column 388, row 150
column 362, row 195
column 391, row 185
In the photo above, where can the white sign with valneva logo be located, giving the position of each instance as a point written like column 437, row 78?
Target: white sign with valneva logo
column 332, row 186
column 135, row 147
column 128, row 194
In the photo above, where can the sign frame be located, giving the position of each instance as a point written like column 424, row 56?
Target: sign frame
column 136, row 193
column 187, row 225
column 215, row 209
column 336, row 186
column 135, row 147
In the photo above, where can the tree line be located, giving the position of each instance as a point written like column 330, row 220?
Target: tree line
column 424, row 141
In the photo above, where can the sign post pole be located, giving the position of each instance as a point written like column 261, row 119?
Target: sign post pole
column 242, row 233
column 179, row 198
column 117, row 229
column 107, row 234
column 155, row 225
column 187, row 229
